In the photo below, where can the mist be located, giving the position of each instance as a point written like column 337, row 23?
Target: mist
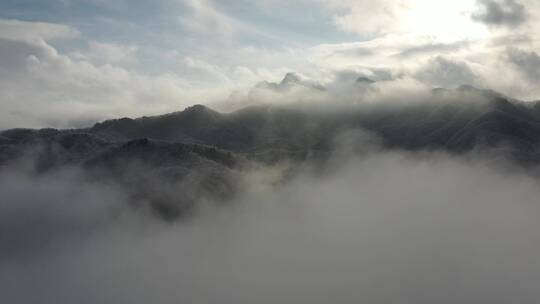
column 374, row 226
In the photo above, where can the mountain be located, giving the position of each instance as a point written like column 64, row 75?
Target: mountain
column 454, row 126
column 203, row 151
column 290, row 81
column 167, row 177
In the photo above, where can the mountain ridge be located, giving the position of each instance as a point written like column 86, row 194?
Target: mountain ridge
column 448, row 125
column 203, row 151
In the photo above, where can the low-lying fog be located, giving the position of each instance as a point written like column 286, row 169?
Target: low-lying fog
column 381, row 227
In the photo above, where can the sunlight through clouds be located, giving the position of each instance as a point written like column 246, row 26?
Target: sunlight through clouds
column 163, row 56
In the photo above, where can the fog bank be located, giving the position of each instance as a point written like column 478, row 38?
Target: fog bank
column 387, row 227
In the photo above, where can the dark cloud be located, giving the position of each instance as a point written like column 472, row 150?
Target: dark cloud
column 527, row 62
column 431, row 48
column 444, row 72
column 512, row 39
column 501, row 13
column 355, row 52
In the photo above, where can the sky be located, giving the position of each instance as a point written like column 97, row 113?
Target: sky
column 69, row 63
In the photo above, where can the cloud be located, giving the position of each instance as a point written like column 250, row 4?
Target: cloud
column 39, row 85
column 353, row 16
column 108, row 53
column 32, row 32
column 433, row 48
column 419, row 18
column 59, row 206
column 527, row 63
column 213, row 73
column 49, row 78
column 42, row 87
column 75, row 88
column 189, row 52
column 446, row 73
column 462, row 230
column 501, row 13
column 205, row 19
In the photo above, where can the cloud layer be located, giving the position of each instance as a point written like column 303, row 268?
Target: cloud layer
column 133, row 60
column 501, row 13
column 386, row 227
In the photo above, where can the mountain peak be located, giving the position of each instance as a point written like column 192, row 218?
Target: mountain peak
column 467, row 88
column 363, row 79
column 197, row 108
column 482, row 92
column 291, row 78
column 199, row 111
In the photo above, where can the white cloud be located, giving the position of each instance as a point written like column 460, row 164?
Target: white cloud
column 443, row 20
column 108, row 53
column 430, row 229
column 205, row 19
column 41, row 87
column 32, row 32
column 218, row 51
